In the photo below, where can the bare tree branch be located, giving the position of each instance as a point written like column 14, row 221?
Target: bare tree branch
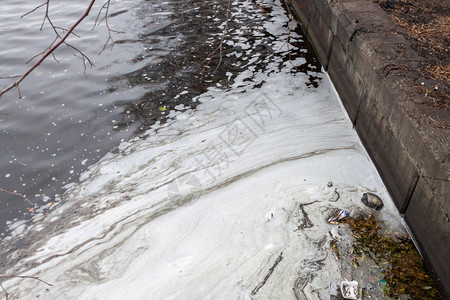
column 53, row 46
column 105, row 18
column 260, row 6
column 107, row 26
column 43, row 52
column 57, row 36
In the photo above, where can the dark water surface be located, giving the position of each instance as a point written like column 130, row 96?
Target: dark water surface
column 69, row 119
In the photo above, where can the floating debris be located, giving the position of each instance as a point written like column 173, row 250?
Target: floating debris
column 334, row 220
column 400, row 264
column 330, row 184
column 334, row 247
column 349, row 289
column 372, row 201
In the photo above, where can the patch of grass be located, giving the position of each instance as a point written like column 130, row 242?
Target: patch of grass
column 426, row 24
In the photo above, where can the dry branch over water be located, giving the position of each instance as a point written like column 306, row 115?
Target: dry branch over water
column 58, row 41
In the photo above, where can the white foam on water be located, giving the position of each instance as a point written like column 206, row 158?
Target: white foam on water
column 227, row 201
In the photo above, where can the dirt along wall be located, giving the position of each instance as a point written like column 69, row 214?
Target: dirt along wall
column 377, row 74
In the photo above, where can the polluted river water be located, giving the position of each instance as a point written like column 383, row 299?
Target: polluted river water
column 229, row 196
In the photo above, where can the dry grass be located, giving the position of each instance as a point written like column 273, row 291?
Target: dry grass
column 427, row 26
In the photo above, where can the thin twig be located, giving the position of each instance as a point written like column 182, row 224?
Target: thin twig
column 83, row 57
column 291, row 27
column 43, row 52
column 33, row 10
column 220, row 47
column 18, row 91
column 19, row 276
column 17, row 194
column 57, row 34
column 98, row 21
column 25, row 277
column 4, row 290
column 47, row 6
column 54, row 58
column 8, row 77
column 108, row 28
column 223, row 35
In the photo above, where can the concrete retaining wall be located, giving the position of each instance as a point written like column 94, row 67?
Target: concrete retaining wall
column 363, row 51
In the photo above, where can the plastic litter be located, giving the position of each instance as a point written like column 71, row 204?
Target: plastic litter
column 349, row 289
column 341, row 215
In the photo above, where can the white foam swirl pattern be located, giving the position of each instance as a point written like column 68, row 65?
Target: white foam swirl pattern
column 228, row 201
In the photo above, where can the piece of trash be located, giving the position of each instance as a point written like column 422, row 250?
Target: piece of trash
column 349, row 289
column 372, row 201
column 163, row 108
column 31, row 209
column 341, row 215
column 330, row 184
